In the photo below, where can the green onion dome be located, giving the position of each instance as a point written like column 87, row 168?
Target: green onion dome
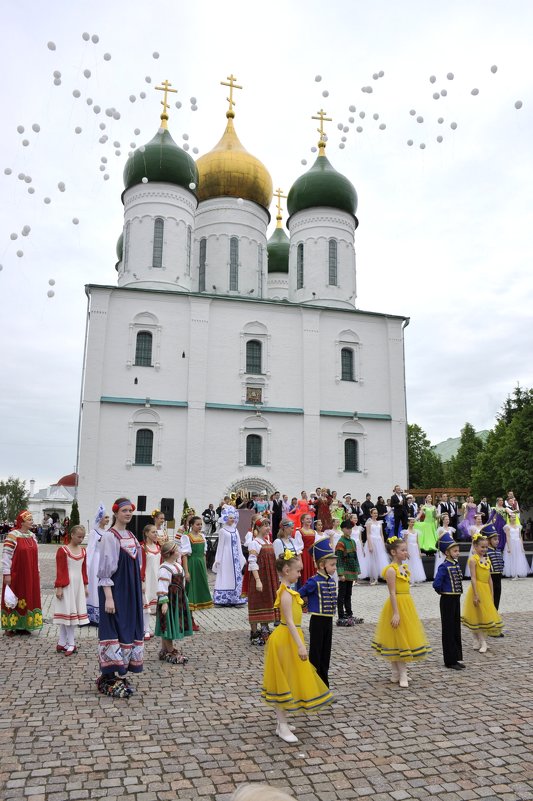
column 161, row 160
column 322, row 185
column 278, row 252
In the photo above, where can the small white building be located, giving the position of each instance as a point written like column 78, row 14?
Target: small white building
column 57, row 498
column 224, row 360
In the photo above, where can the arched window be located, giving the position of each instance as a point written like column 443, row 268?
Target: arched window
column 201, row 272
column 126, row 248
column 351, row 460
column 144, row 446
column 300, row 266
column 189, row 241
column 253, row 357
column 234, row 264
column 143, row 349
column 347, row 365
column 332, row 253
column 254, row 447
column 157, row 258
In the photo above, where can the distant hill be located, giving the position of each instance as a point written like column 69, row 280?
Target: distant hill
column 449, row 447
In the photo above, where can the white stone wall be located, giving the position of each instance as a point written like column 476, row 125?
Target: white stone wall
column 199, row 349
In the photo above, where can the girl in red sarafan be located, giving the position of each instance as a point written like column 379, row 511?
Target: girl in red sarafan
column 71, row 585
column 21, row 594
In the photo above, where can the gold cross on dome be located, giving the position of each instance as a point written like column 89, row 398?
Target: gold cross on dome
column 230, row 81
column 279, row 194
column 321, row 115
column 165, row 87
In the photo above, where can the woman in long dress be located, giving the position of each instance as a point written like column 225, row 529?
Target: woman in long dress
column 20, row 569
column 377, row 558
column 101, row 521
column 475, row 529
column 515, row 564
column 305, row 539
column 469, row 509
column 229, row 562
column 426, row 525
column 498, row 518
column 443, row 529
column 416, row 566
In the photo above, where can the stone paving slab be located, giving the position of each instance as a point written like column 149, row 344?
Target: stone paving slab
column 196, row 732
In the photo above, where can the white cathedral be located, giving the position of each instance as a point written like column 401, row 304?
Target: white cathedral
column 224, row 360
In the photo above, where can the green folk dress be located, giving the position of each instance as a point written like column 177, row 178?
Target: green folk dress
column 194, row 546
column 427, row 529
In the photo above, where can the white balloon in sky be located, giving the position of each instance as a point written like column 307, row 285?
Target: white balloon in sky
column 61, row 186
column 444, row 92
column 109, row 112
column 341, row 147
column 185, row 136
column 95, row 39
column 51, row 282
column 148, row 79
column 50, row 293
column 102, row 126
column 340, row 126
column 106, row 177
column 440, row 120
column 422, row 146
column 132, row 98
column 350, row 119
column 318, row 78
column 450, row 76
column 57, row 74
column 25, row 142
column 117, row 152
column 412, row 112
column 474, row 92
column 194, row 108
column 20, row 129
column 75, row 220
column 381, row 73
column 178, row 104
column 102, row 168
column 133, row 145
column 103, row 159
column 116, row 115
column 13, row 236
column 87, row 73
column 193, row 100
column 375, row 76
column 362, row 114
column 420, row 119
column 410, row 142
column 20, row 253
column 343, row 138
column 375, row 116
column 494, row 69
column 57, row 81
column 137, row 131
column 27, row 179
column 31, row 190
column 346, row 129
column 116, row 143
column 432, row 79
column 313, row 149
column 1, row 268
column 352, row 109
column 25, row 230
column 97, row 109
column 186, row 146
column 103, row 139
column 145, row 180
column 325, row 93
column 107, row 56
column 195, row 150
column 155, row 54
column 76, row 93
column 382, row 126
column 439, row 138
column 8, row 171
column 21, row 176
column 192, row 185
column 304, row 162
column 436, row 96
column 369, row 90
column 89, row 101
column 51, row 46
column 359, row 129
column 453, row 126
column 518, row 104
column 142, row 95
column 85, row 36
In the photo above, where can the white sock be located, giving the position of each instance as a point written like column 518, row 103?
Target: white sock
column 70, row 636
column 62, row 641
column 146, row 619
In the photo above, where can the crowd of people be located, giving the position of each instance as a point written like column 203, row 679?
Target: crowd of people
column 301, row 558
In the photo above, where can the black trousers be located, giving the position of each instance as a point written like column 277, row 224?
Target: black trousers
column 497, row 587
column 320, row 635
column 400, row 520
column 450, row 617
column 276, row 521
column 344, row 598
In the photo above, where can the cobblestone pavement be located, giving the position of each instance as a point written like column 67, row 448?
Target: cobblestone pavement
column 196, row 732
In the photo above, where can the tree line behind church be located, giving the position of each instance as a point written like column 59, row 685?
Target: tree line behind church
column 504, row 461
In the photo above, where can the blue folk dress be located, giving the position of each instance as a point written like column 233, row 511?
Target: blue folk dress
column 120, row 635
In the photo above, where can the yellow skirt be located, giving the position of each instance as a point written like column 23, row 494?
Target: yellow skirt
column 408, row 642
column 485, row 617
column 289, row 683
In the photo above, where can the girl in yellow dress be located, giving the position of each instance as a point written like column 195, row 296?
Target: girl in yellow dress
column 290, row 682
column 479, row 613
column 399, row 635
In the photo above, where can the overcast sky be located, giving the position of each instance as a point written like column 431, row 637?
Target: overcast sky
column 445, row 234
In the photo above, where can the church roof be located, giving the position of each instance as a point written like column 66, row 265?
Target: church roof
column 67, row 481
column 322, row 185
column 278, row 252
column 161, row 160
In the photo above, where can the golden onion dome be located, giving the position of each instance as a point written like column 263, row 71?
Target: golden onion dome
column 230, row 171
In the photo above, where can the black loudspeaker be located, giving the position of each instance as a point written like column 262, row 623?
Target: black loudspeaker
column 137, row 524
column 141, row 503
column 167, row 507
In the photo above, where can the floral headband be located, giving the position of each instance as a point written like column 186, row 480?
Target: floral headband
column 121, row 503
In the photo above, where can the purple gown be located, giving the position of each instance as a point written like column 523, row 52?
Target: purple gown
column 463, row 529
column 498, row 518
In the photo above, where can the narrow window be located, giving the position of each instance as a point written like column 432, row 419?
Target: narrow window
column 347, row 364
column 332, row 280
column 350, row 456
column 233, row 264
column 201, row 272
column 143, row 349
column 126, row 247
column 300, row 266
column 253, row 357
column 157, row 259
column 254, row 446
column 260, row 268
column 144, row 445
column 189, row 239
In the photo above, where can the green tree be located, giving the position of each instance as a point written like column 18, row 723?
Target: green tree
column 460, row 467
column 517, row 455
column 425, row 466
column 13, row 498
column 487, row 474
column 74, row 514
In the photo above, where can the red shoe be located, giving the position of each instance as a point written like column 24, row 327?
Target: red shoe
column 70, row 650
column 195, row 626
column 60, row 648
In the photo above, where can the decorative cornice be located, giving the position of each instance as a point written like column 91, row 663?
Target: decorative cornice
column 305, row 219
column 174, row 196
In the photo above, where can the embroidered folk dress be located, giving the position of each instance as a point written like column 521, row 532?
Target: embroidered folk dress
column 229, row 562
column 194, row 547
column 261, row 607
column 177, row 623
column 71, row 575
column 93, row 561
column 288, row 682
column 20, row 561
column 407, row 642
column 151, row 559
column 121, row 635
